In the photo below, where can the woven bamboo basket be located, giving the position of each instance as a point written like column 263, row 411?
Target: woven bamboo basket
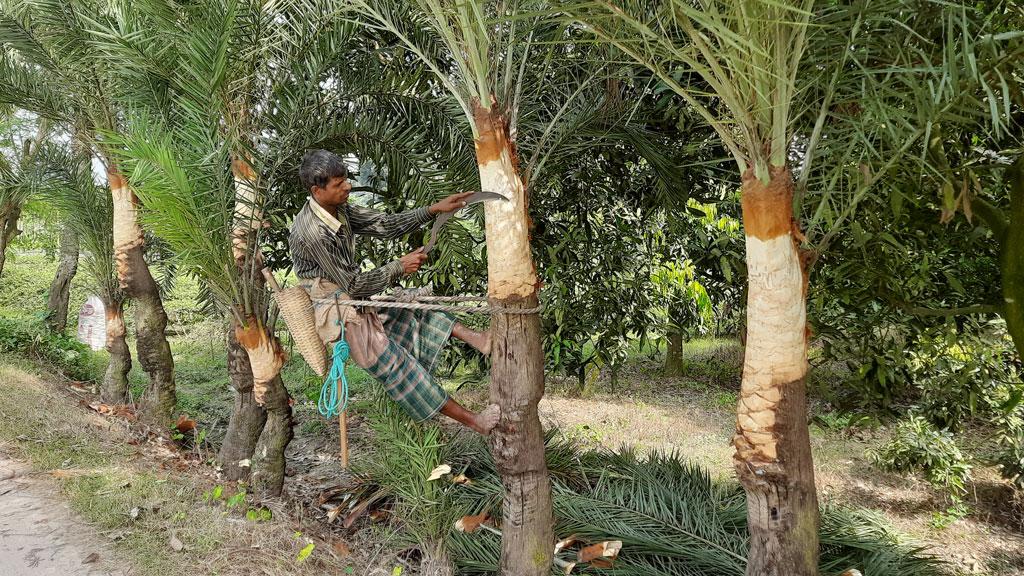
column 297, row 311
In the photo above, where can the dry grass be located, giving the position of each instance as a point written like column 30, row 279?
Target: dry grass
column 139, row 491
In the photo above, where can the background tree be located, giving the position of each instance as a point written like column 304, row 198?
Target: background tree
column 57, row 75
column 60, row 287
column 86, row 208
column 21, row 173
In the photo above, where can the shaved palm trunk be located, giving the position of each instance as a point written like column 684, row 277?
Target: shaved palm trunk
column 266, row 358
column 135, row 279
column 517, row 361
column 60, row 288
column 247, row 417
column 773, row 451
column 8, row 230
column 114, row 389
column 263, row 351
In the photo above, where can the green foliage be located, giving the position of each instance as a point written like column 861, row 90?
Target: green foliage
column 32, row 338
column 672, row 518
column 959, row 376
column 918, row 446
column 1010, row 457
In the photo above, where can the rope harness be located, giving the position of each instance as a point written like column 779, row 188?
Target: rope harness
column 424, row 303
column 334, row 392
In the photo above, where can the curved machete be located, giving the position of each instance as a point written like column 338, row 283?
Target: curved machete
column 473, row 198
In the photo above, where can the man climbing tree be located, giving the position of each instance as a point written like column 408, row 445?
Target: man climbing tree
column 398, row 347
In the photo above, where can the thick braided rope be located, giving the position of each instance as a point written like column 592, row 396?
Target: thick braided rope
column 443, row 307
column 389, row 298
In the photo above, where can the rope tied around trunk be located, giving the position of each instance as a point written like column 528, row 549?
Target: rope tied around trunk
column 439, row 304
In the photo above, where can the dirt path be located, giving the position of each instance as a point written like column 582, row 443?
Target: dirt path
column 39, row 536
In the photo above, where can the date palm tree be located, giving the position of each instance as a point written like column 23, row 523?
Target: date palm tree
column 526, row 97
column 806, row 96
column 56, row 72
column 88, row 211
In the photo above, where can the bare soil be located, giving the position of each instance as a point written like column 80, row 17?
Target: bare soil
column 39, row 535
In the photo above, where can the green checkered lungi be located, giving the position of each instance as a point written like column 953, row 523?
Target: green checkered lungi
column 405, row 368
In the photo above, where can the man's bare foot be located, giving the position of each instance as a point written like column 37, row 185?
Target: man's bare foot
column 486, row 419
column 479, row 340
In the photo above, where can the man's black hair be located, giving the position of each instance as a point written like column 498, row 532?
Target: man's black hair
column 319, row 166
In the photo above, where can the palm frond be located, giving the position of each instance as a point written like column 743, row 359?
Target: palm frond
column 671, row 516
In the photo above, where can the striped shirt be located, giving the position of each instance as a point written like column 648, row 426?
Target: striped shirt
column 324, row 246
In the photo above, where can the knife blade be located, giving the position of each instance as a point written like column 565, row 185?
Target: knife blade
column 474, row 198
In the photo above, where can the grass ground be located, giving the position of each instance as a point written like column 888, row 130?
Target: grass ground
column 107, row 468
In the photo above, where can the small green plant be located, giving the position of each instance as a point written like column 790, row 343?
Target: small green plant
column 32, row 338
column 305, row 552
column 918, row 446
column 726, row 400
column 211, row 496
column 236, row 499
column 260, row 514
column 943, row 519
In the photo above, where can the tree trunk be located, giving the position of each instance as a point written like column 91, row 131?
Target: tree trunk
column 264, row 356
column 773, row 450
column 674, row 354
column 158, row 401
column 114, row 389
column 1012, row 258
column 265, row 360
column 269, row 460
column 247, row 417
column 8, row 230
column 517, row 360
column 60, row 288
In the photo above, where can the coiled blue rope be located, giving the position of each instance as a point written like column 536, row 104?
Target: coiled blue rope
column 333, row 403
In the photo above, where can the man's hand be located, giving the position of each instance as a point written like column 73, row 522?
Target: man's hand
column 412, row 261
column 450, row 204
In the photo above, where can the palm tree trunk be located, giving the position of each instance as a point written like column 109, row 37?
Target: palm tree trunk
column 133, row 274
column 114, row 389
column 8, row 230
column 269, row 460
column 247, row 417
column 264, row 356
column 1012, row 259
column 517, row 360
column 60, row 288
column 773, row 451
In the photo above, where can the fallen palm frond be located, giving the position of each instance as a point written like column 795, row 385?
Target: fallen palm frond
column 670, row 516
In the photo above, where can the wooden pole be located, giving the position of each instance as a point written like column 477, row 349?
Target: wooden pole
column 343, row 435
